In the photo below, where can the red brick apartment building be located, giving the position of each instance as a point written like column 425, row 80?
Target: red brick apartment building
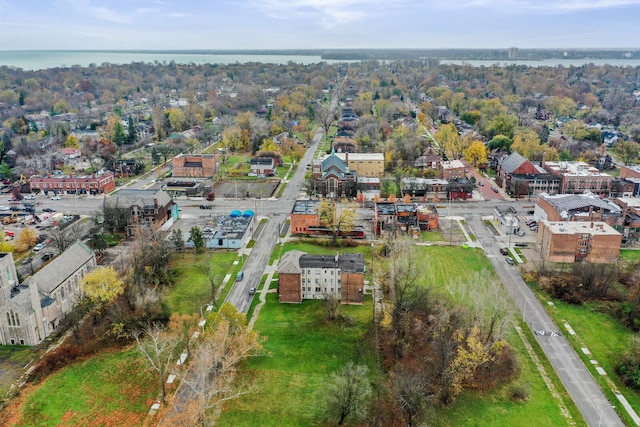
column 562, row 241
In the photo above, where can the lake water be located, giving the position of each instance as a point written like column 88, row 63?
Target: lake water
column 40, row 59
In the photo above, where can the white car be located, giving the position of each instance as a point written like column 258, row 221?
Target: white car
column 29, row 197
column 55, row 198
column 39, row 247
column 4, row 208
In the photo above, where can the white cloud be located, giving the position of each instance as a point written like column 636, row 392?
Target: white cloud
column 328, row 13
column 527, row 6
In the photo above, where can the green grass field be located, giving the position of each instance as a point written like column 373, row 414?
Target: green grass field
column 630, row 254
column 303, row 350
column 192, row 288
column 113, row 388
column 605, row 338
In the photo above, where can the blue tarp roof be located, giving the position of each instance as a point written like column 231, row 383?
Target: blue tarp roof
column 235, row 213
column 248, row 213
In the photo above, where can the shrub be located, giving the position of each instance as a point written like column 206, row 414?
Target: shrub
column 518, row 393
column 629, row 367
column 57, row 359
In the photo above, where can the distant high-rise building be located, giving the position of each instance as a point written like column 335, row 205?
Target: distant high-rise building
column 513, row 53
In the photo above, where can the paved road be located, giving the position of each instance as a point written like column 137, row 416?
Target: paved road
column 585, row 392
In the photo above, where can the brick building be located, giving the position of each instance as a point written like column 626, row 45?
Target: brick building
column 303, row 276
column 142, row 209
column 579, row 178
column 195, row 165
column 92, row 184
column 453, row 169
column 303, row 215
column 562, row 241
column 578, row 207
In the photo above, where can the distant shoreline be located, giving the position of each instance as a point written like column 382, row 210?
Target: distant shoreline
column 45, row 59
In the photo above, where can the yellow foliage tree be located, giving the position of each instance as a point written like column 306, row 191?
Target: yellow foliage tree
column 72, row 142
column 527, row 143
column 26, row 240
column 476, row 153
column 450, row 141
column 101, row 287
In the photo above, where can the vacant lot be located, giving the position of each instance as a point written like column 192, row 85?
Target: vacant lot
column 302, row 350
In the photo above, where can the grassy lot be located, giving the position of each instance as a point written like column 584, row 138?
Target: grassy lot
column 192, row 290
column 630, row 254
column 303, row 350
column 605, row 338
column 432, row 236
column 111, row 389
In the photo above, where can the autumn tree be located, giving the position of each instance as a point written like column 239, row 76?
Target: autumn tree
column 177, row 119
column 627, row 152
column 337, row 222
column 527, row 143
column 450, row 141
column 72, row 142
column 101, row 287
column 211, row 378
column 26, row 239
column 177, row 240
column 159, row 348
column 348, row 392
column 476, row 153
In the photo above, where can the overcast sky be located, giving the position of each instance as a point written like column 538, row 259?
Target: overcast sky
column 317, row 24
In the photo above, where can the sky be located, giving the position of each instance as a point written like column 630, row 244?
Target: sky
column 317, row 24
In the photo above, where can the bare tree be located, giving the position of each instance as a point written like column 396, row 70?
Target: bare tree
column 348, row 392
column 158, row 347
column 326, row 118
column 63, row 237
column 411, row 394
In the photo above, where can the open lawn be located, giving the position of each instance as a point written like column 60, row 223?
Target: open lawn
column 111, row 389
column 630, row 254
column 606, row 339
column 303, row 350
column 192, row 288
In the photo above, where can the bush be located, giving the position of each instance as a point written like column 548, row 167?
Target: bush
column 518, row 393
column 629, row 367
column 57, row 359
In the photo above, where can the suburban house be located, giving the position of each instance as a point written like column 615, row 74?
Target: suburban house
column 332, row 177
column 303, row 276
column 71, row 184
column 142, row 209
column 563, row 241
column 33, row 310
column 70, row 153
column 196, row 165
column 263, row 166
column 430, row 159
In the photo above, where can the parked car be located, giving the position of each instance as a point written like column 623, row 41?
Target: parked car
column 29, row 197
column 509, row 260
column 504, row 251
column 252, row 291
column 520, row 233
column 207, row 230
column 495, row 189
column 47, row 257
column 4, row 208
column 39, row 247
column 55, row 198
column 47, row 210
column 205, row 206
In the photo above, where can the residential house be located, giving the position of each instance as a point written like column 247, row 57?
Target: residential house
column 70, row 153
column 262, row 166
column 33, row 310
column 430, row 159
column 303, row 276
column 568, row 242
